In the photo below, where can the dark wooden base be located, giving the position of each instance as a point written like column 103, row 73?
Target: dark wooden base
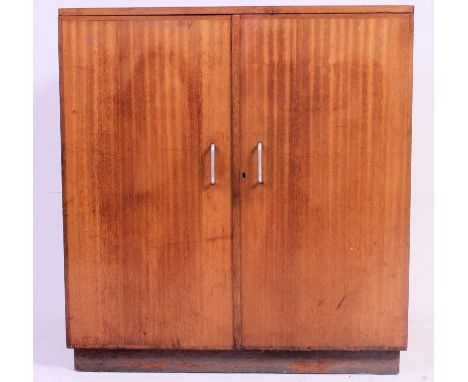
column 296, row 362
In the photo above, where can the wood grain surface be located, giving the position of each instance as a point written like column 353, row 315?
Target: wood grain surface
column 314, row 258
column 235, row 10
column 325, row 239
column 148, row 239
column 244, row 361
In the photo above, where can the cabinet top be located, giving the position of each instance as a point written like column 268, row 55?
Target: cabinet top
column 233, row 10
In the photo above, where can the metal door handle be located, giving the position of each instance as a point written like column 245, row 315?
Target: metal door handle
column 212, row 172
column 259, row 150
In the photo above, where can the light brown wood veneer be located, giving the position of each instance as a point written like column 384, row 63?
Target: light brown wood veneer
column 148, row 239
column 315, row 258
column 325, row 238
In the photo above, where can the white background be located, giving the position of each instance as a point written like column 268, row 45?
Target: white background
column 53, row 362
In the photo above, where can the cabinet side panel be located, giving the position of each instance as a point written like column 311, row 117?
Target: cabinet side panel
column 148, row 238
column 325, row 238
column 63, row 173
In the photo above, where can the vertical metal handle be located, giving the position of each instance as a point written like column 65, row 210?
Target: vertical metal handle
column 259, row 150
column 212, row 172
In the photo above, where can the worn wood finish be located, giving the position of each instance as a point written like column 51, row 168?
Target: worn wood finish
column 148, row 240
column 316, row 258
column 324, row 240
column 234, row 10
column 324, row 362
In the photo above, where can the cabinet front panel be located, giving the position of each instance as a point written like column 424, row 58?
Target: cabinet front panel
column 324, row 240
column 148, row 239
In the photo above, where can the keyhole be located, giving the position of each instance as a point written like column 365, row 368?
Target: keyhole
column 243, row 175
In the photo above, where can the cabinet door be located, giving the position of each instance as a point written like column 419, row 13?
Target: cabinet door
column 324, row 239
column 148, row 239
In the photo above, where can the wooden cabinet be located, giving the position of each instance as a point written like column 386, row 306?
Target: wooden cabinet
column 236, row 187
